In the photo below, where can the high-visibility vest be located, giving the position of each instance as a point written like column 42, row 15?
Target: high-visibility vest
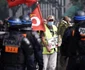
column 48, row 35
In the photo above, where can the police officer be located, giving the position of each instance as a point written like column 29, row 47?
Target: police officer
column 36, row 42
column 17, row 50
column 2, row 34
column 73, row 43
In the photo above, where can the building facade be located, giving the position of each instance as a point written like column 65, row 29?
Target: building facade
column 54, row 7
column 48, row 7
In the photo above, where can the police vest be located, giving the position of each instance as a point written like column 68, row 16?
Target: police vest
column 49, row 38
column 12, row 52
column 79, row 34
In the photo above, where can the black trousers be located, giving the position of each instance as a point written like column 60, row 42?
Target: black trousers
column 76, row 63
column 12, row 68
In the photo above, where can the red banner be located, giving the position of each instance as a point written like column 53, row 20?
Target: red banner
column 30, row 2
column 37, row 20
column 12, row 3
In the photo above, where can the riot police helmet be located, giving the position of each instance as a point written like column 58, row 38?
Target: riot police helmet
column 14, row 23
column 79, row 17
column 26, row 22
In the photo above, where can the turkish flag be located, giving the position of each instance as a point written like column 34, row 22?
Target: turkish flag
column 12, row 3
column 37, row 20
column 30, row 2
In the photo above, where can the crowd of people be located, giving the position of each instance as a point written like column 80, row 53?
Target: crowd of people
column 22, row 48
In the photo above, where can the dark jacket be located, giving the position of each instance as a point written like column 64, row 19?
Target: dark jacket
column 17, row 52
column 69, row 43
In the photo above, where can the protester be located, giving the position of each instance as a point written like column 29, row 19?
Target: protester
column 49, row 41
column 63, row 24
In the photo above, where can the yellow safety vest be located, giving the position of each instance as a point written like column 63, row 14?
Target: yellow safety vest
column 48, row 35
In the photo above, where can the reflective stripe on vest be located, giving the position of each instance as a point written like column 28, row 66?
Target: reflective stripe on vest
column 48, row 35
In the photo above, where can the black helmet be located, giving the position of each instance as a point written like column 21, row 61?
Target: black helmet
column 26, row 22
column 79, row 17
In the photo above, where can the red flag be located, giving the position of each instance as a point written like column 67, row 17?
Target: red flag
column 30, row 2
column 37, row 20
column 12, row 3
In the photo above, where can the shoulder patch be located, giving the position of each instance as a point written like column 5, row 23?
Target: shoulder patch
column 11, row 49
column 82, row 31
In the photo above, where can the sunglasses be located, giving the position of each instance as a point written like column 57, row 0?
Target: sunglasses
column 51, row 20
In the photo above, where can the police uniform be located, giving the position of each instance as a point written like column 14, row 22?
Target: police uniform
column 38, row 49
column 17, row 50
column 73, row 43
column 36, row 43
column 2, row 34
